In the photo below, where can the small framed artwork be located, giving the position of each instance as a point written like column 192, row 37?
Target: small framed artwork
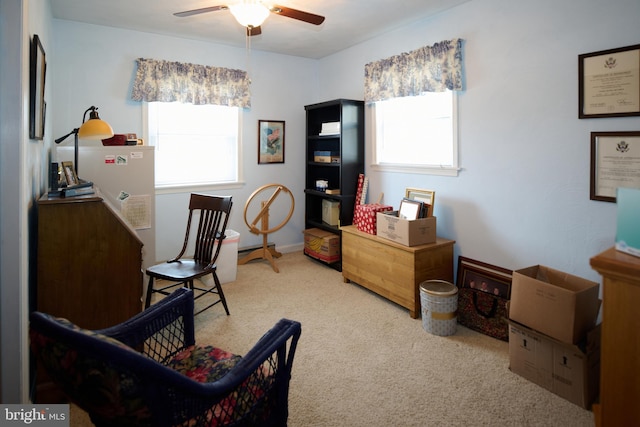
column 270, row 141
column 609, row 83
column 615, row 162
column 70, row 174
column 427, row 197
column 410, row 209
column 37, row 74
column 484, row 277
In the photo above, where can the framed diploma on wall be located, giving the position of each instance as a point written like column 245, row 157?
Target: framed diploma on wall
column 609, row 83
column 615, row 162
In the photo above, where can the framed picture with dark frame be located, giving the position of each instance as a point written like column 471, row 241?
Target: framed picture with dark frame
column 484, row 277
column 37, row 74
column 615, row 162
column 609, row 83
column 410, row 209
column 270, row 141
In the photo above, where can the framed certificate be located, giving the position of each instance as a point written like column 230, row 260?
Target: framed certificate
column 609, row 83
column 427, row 197
column 615, row 162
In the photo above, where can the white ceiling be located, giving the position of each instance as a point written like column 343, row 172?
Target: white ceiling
column 348, row 22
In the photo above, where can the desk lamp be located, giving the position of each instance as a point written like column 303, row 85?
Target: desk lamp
column 94, row 128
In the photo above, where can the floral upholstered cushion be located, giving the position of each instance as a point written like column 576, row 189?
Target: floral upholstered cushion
column 203, row 364
column 248, row 405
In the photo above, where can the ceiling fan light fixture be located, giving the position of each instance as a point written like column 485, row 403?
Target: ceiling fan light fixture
column 249, row 13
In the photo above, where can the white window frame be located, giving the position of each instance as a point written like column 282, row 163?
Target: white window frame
column 182, row 188
column 443, row 170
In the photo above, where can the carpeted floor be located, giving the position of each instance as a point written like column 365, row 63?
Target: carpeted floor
column 362, row 361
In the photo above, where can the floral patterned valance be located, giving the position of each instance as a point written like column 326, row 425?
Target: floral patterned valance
column 168, row 81
column 428, row 69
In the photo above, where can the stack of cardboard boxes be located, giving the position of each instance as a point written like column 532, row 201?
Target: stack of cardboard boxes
column 553, row 338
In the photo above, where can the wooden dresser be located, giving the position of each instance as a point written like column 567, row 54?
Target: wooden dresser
column 392, row 270
column 89, row 268
column 89, row 262
column 620, row 347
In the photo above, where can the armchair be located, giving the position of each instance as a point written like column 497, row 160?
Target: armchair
column 148, row 371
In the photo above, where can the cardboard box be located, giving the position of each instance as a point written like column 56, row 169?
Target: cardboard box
column 557, row 304
column 406, row 232
column 567, row 370
column 326, row 157
column 365, row 218
column 322, row 245
column 331, row 212
column 627, row 230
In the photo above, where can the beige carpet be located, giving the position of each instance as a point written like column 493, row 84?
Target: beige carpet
column 362, row 361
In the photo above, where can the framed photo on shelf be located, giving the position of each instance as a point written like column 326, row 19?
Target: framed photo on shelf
column 427, row 197
column 70, row 174
column 609, row 83
column 615, row 162
column 410, row 209
column 37, row 74
column 270, row 141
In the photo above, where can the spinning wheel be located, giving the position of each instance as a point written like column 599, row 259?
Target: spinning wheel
column 263, row 218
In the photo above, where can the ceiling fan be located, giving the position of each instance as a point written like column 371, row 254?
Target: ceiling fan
column 252, row 13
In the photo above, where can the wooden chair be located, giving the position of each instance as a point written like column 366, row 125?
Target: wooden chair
column 149, row 371
column 214, row 214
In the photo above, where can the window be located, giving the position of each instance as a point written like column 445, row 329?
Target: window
column 416, row 134
column 196, row 145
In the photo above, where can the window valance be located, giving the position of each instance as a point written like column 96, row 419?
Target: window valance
column 168, row 81
column 428, row 69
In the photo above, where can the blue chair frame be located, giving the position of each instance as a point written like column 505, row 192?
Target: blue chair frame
column 120, row 375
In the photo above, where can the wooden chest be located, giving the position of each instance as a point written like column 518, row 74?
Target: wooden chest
column 392, row 270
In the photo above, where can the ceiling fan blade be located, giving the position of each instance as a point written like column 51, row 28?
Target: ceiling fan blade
column 254, row 31
column 199, row 11
column 297, row 14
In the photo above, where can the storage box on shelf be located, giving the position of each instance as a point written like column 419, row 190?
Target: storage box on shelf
column 322, row 245
column 326, row 157
column 331, row 212
column 335, row 154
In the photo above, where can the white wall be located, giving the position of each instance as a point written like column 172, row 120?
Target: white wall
column 522, row 197
column 95, row 65
column 22, row 165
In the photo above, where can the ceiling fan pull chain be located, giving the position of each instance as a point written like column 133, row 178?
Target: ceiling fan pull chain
column 248, row 55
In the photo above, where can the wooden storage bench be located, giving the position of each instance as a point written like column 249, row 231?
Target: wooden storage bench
column 392, row 270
